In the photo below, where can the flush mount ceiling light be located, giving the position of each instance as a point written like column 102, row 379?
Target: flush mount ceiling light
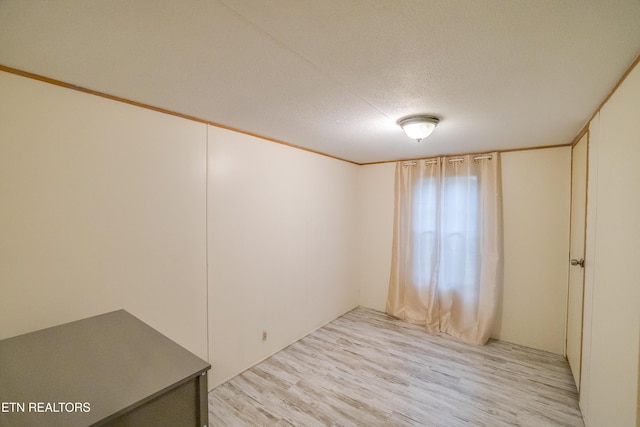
column 419, row 126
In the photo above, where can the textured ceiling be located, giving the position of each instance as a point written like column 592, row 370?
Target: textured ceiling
column 334, row 75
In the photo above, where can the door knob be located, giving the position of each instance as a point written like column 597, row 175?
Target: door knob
column 579, row 262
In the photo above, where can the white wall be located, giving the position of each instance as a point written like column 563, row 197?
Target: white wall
column 612, row 286
column 282, row 230
column 106, row 206
column 375, row 214
column 536, row 187
column 102, row 206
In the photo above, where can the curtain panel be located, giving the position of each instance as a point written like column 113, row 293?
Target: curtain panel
column 447, row 260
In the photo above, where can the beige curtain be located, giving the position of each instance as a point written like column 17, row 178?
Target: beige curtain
column 446, row 266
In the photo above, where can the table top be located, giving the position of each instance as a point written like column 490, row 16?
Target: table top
column 88, row 371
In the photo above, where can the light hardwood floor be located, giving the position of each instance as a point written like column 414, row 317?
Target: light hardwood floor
column 368, row 369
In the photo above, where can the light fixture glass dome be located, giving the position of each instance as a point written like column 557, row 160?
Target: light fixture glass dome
column 418, row 127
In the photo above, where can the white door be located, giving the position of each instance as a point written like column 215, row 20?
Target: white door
column 575, row 301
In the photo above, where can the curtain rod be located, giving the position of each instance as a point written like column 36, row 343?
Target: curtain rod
column 452, row 160
column 475, row 159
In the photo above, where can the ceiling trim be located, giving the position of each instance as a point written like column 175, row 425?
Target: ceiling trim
column 477, row 153
column 288, row 144
column 97, row 93
column 585, row 129
column 60, row 83
column 580, row 134
column 615, row 88
column 573, row 142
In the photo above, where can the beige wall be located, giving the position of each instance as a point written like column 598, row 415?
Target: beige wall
column 375, row 216
column 536, row 186
column 536, row 198
column 107, row 206
column 101, row 207
column 612, row 289
column 282, row 230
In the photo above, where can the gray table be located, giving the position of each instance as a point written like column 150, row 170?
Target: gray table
column 111, row 370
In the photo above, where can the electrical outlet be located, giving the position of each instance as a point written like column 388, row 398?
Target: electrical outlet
column 264, row 335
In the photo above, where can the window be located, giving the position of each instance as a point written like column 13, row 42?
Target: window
column 446, row 261
column 458, row 240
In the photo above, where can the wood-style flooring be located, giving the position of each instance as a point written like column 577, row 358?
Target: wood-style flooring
column 368, row 369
